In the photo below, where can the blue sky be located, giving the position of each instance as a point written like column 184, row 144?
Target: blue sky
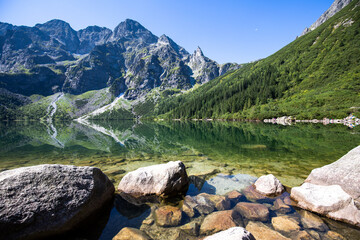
column 227, row 31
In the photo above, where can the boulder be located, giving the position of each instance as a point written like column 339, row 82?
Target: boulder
column 285, row 224
column 220, row 202
column 234, row 233
column 219, row 221
column 331, row 235
column 234, row 196
column 333, row 190
column 330, row 201
column 303, row 235
column 253, row 211
column 201, row 204
column 188, row 210
column 148, row 183
column 44, row 200
column 269, row 185
column 262, row 232
column 252, row 195
column 344, row 172
column 128, row 233
column 168, row 216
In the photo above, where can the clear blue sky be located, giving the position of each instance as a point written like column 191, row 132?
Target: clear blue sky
column 227, row 31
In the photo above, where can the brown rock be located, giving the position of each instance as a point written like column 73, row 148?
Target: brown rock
column 234, row 196
column 253, row 211
column 314, row 234
column 148, row 221
column 219, row 221
column 251, row 194
column 281, row 207
column 303, row 235
column 312, row 221
column 131, row 234
column 262, row 232
column 188, row 210
column 287, row 200
column 168, row 216
column 330, row 235
column 191, row 228
column 220, row 202
column 285, row 224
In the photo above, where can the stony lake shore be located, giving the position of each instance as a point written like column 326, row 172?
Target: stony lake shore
column 57, row 200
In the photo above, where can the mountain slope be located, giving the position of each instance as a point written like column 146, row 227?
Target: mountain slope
column 317, row 75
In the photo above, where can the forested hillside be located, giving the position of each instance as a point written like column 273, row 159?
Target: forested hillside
column 316, row 76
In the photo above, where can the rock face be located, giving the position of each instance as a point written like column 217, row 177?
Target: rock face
column 269, row 185
column 333, row 190
column 161, row 180
column 43, row 200
column 234, row 233
column 334, row 8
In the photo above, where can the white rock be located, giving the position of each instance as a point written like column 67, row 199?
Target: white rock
column 344, row 172
column 158, row 180
column 269, row 185
column 234, row 233
column 320, row 199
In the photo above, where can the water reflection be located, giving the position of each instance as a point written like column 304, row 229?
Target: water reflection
column 289, row 152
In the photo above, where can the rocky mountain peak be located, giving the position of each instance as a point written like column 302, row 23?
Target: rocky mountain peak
column 130, row 29
column 61, row 31
column 165, row 40
column 198, row 52
column 334, row 8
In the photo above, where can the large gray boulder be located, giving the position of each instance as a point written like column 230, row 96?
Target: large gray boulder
column 234, row 233
column 148, row 183
column 44, row 200
column 333, row 190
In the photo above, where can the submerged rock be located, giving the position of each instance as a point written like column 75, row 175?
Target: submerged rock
column 269, row 185
column 285, row 224
column 128, row 233
column 222, row 184
column 44, row 200
column 148, row 183
column 168, row 216
column 312, row 221
column 220, row 202
column 253, row 211
column 219, row 221
column 234, row 233
column 262, row 232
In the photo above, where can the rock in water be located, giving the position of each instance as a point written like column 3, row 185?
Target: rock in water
column 344, row 172
column 163, row 180
column 128, row 233
column 333, row 190
column 269, row 185
column 43, row 200
column 234, row 233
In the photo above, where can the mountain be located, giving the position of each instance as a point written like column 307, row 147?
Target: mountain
column 54, row 57
column 335, row 7
column 315, row 76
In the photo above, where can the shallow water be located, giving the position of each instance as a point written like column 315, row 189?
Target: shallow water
column 206, row 148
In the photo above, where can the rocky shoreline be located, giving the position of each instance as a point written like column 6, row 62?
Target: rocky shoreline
column 51, row 200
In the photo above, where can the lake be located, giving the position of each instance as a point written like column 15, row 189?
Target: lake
column 206, row 148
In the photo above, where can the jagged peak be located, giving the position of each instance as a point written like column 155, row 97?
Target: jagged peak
column 131, row 29
column 198, row 52
column 129, row 25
